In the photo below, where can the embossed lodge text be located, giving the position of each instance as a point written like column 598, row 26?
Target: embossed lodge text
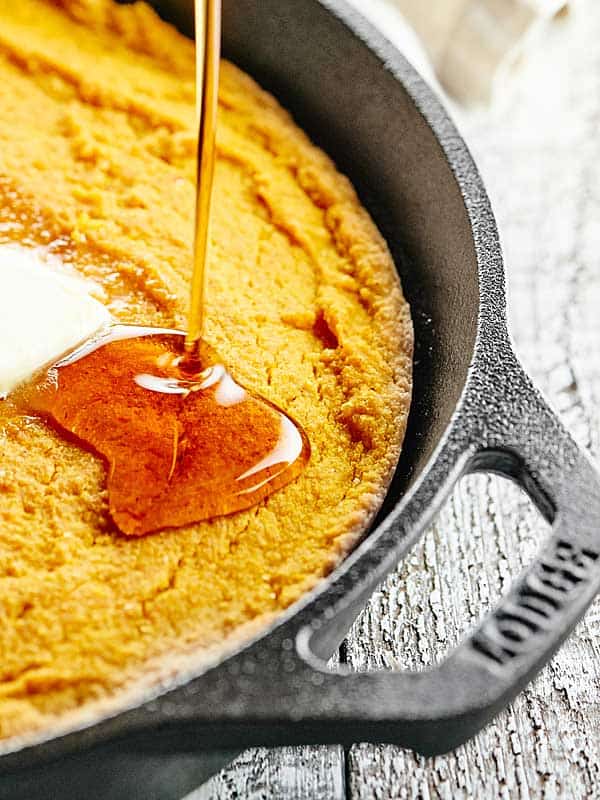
column 529, row 609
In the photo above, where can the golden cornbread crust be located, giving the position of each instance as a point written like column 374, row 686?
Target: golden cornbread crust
column 97, row 163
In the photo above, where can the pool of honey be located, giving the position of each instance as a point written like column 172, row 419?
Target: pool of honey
column 180, row 446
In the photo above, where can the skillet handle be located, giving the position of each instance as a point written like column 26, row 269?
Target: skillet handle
column 436, row 710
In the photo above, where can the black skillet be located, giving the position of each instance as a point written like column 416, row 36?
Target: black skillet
column 474, row 409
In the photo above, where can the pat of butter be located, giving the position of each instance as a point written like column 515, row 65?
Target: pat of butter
column 44, row 313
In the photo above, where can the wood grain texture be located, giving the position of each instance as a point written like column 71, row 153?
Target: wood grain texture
column 285, row 773
column 539, row 153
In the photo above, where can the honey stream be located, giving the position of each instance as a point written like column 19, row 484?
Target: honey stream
column 207, row 14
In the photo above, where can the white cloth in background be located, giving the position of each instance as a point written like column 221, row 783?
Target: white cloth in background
column 471, row 45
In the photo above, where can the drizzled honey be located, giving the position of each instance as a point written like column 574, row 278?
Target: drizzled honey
column 182, row 440
column 179, row 446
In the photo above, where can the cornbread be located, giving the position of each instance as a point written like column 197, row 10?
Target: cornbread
column 97, row 167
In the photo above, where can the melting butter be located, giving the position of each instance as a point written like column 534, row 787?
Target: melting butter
column 45, row 311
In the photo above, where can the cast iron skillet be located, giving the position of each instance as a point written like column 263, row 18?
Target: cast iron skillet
column 474, row 409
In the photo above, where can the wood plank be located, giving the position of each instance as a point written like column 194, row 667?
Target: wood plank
column 286, row 773
column 539, row 153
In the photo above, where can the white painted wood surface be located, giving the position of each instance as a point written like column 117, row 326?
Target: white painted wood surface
column 285, row 773
column 539, row 153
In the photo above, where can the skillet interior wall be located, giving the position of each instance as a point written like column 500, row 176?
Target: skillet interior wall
column 377, row 137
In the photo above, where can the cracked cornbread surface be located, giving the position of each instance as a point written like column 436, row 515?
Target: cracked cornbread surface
column 97, row 167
